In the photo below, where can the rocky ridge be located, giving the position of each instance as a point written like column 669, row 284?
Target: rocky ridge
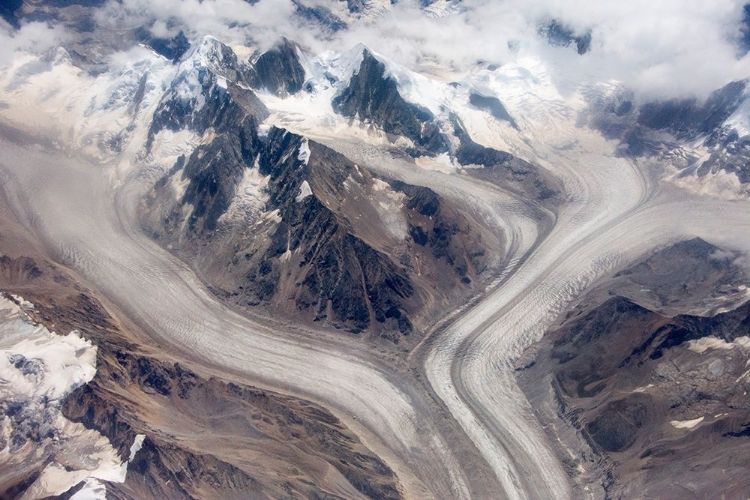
column 306, row 231
column 643, row 388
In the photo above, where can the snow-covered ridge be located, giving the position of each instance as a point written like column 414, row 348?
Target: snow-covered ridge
column 332, row 69
column 740, row 119
column 107, row 115
column 38, row 369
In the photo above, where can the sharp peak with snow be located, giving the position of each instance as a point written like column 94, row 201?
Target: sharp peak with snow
column 210, row 53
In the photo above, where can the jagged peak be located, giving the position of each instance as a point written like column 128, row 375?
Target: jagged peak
column 212, row 53
column 284, row 43
column 58, row 55
column 349, row 63
column 208, row 62
column 278, row 70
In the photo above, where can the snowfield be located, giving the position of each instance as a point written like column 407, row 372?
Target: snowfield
column 38, row 368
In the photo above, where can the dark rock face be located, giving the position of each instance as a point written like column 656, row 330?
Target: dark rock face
column 649, row 392
column 731, row 153
column 687, row 118
column 196, row 101
column 659, row 127
column 504, row 168
column 493, row 106
column 446, row 235
column 338, row 270
column 319, row 256
column 560, row 35
column 744, row 41
column 325, row 255
column 690, row 275
column 616, row 427
column 373, row 97
column 279, row 70
column 356, row 6
column 471, row 153
column 171, row 48
column 214, row 170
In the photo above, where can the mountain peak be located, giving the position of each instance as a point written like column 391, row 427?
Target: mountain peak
column 279, row 69
column 209, row 52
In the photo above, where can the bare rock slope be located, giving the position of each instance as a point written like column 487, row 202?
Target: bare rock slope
column 654, row 402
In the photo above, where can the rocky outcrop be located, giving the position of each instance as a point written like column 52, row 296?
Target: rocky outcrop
column 278, row 70
column 560, row 35
column 656, row 398
column 689, row 118
column 681, row 132
column 320, row 242
column 8, row 12
column 171, row 48
column 204, row 94
column 356, row 6
column 443, row 232
column 187, row 466
column 372, row 96
column 492, row 105
column 730, row 153
column 500, row 167
column 276, row 221
column 213, row 173
column 339, row 272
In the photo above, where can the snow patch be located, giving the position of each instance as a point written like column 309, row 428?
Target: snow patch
column 188, row 85
column 418, row 89
column 38, row 364
column 643, row 388
column 441, row 163
column 740, row 119
column 264, row 129
column 389, row 205
column 136, row 446
column 250, row 198
column 335, row 67
column 92, row 489
column 704, row 344
column 168, row 145
column 686, row 424
column 304, row 191
column 304, row 151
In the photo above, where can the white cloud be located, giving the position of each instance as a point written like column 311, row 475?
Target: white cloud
column 658, row 48
column 36, row 37
column 664, row 48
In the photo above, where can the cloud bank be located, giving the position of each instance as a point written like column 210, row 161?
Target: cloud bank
column 669, row 48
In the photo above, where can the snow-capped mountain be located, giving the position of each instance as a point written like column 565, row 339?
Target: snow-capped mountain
column 307, row 231
column 199, row 126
